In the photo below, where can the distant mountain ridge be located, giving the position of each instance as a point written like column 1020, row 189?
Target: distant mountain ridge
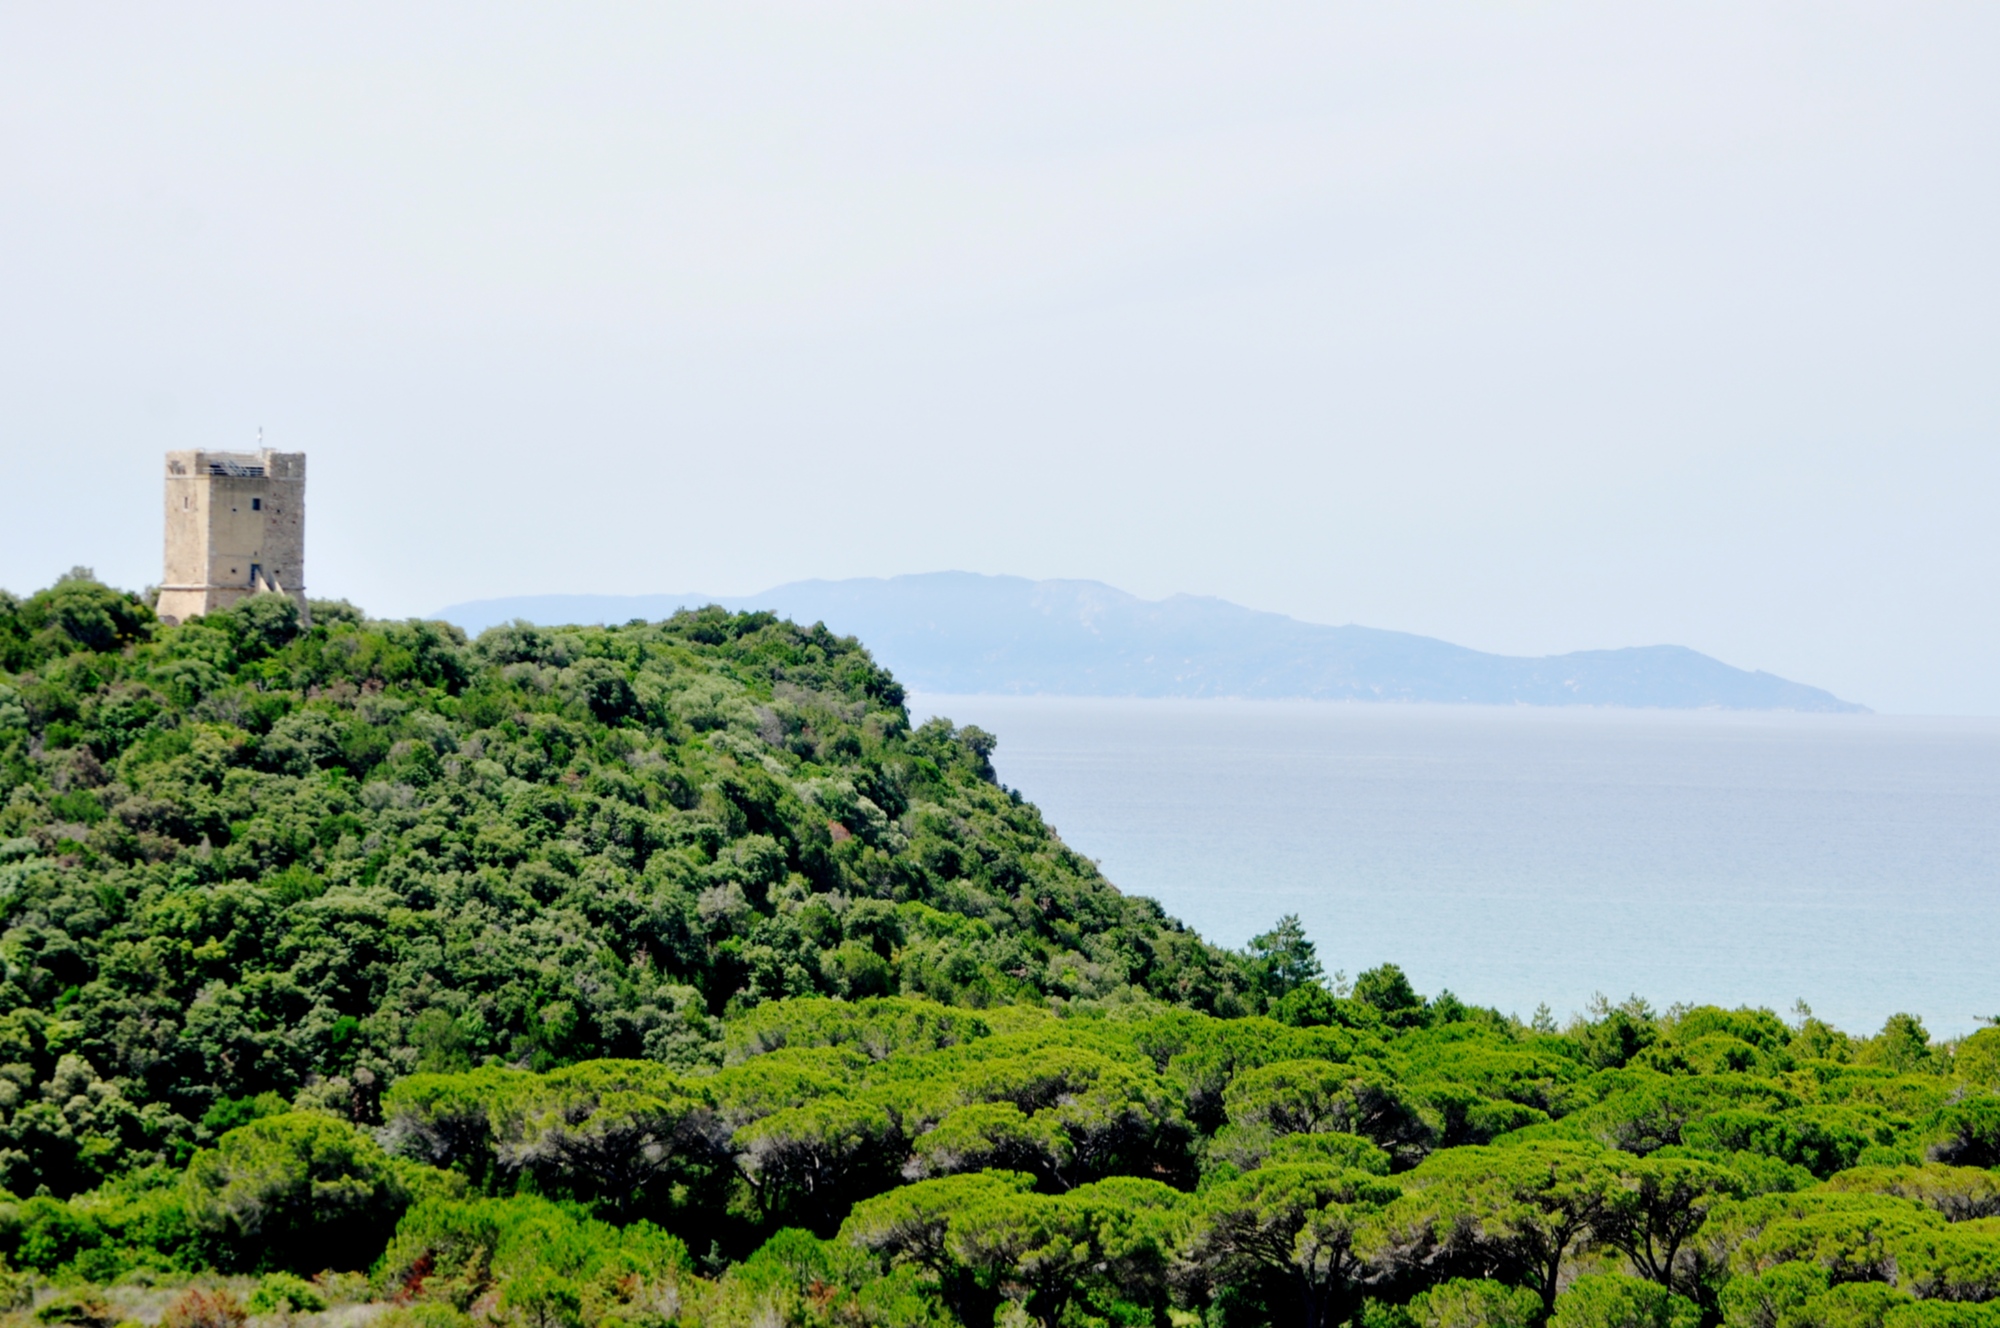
column 967, row 633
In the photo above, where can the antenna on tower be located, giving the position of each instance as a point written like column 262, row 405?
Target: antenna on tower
column 260, row 436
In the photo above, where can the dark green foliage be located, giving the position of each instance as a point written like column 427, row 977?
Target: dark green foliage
column 1284, row 959
column 243, row 860
column 301, row 1191
column 76, row 614
column 1389, row 992
column 1967, row 1133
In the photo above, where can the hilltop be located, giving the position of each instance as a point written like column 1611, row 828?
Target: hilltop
column 957, row 632
column 244, row 857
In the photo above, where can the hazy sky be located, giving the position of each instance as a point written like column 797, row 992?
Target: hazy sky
column 1532, row 326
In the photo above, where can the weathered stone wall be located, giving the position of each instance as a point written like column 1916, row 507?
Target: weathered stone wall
column 236, row 527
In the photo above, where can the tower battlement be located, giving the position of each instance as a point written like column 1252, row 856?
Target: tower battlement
column 236, row 527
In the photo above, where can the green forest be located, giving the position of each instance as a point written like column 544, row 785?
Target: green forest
column 357, row 973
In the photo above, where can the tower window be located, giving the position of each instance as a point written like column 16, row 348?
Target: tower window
column 256, row 504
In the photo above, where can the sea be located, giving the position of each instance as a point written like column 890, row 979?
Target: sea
column 1529, row 856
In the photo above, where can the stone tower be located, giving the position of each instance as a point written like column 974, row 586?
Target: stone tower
column 236, row 527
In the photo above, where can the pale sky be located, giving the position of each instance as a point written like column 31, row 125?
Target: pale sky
column 1532, row 326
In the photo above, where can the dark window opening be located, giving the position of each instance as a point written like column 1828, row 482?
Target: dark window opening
column 256, row 570
column 256, row 504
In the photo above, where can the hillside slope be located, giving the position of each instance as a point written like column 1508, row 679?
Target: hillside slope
column 957, row 632
column 239, row 858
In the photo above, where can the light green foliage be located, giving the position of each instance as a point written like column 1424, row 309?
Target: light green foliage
column 1474, row 1082
column 1863, row 1237
column 878, row 1028
column 980, row 1238
column 136, row 1222
column 1102, row 1246
column 453, row 1252
column 1956, row 1193
column 1941, row 1314
column 912, row 1222
column 1312, row 1096
column 797, row 1279
column 1966, row 1133
column 1976, row 1059
column 1247, row 1147
column 1204, row 1061
column 1466, row 1302
column 992, row 1135
column 285, row 1293
column 829, row 1111
column 1902, row 1046
column 1613, row 1300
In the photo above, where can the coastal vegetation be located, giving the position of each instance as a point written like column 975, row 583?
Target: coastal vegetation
column 664, row 975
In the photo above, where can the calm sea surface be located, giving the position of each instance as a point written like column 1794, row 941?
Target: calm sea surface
column 1525, row 855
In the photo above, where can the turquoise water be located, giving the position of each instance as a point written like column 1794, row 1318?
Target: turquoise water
column 1526, row 855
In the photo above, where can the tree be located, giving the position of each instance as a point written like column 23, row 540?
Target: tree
column 254, row 854
column 1100, row 1243
column 616, row 1132
column 810, row 1162
column 1612, row 1300
column 81, row 613
column 1654, row 1212
column 1028, row 1247
column 1388, row 990
column 1957, row 1194
column 1967, row 1134
column 1309, row 1097
column 912, row 1224
column 543, row 1299
column 1114, row 1117
column 1902, row 1045
column 450, row 1120
column 1284, row 958
column 302, row 1191
column 1475, row 1302
column 1976, row 1059
column 995, row 1135
column 1516, row 1213
column 1295, row 1224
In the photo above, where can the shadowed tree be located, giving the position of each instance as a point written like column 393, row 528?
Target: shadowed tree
column 1292, row 1224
